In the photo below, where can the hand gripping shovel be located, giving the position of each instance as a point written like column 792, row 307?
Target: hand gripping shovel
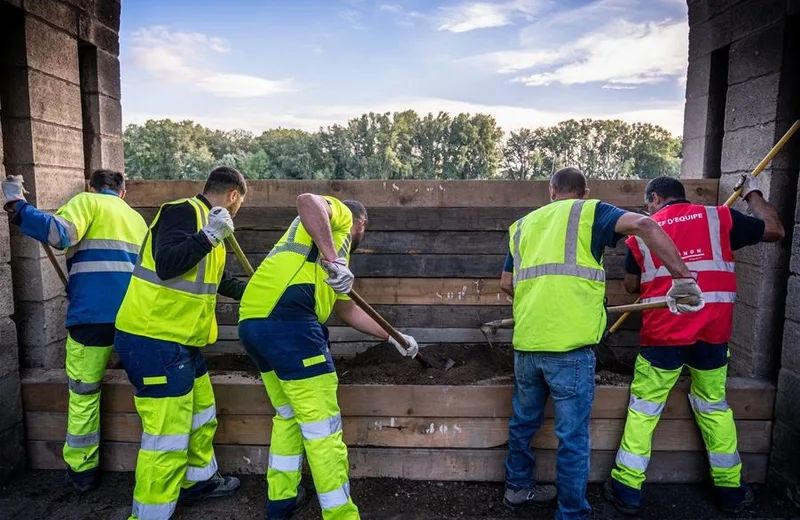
column 735, row 195
column 237, row 250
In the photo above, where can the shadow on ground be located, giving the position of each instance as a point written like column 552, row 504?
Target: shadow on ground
column 42, row 495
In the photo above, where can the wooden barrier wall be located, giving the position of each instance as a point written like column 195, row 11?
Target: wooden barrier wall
column 430, row 262
column 414, row 432
column 433, row 252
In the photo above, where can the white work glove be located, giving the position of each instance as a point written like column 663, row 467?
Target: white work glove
column 13, row 190
column 412, row 348
column 219, row 227
column 340, row 278
column 685, row 288
column 749, row 185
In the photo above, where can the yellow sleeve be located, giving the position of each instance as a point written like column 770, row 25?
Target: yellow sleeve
column 341, row 216
column 78, row 211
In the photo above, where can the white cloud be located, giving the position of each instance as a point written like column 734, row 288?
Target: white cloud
column 470, row 16
column 183, row 58
column 311, row 118
column 618, row 87
column 622, row 53
column 404, row 18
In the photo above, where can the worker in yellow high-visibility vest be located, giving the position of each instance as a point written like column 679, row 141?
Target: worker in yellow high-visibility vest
column 167, row 315
column 101, row 235
column 555, row 274
column 292, row 293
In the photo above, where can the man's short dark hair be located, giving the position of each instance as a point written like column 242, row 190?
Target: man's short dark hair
column 665, row 187
column 223, row 179
column 356, row 208
column 107, row 180
column 569, row 180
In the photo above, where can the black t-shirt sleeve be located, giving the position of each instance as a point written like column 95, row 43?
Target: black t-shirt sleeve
column 178, row 246
column 746, row 230
column 631, row 265
column 231, row 287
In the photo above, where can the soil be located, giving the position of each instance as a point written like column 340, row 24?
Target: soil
column 471, row 365
column 42, row 495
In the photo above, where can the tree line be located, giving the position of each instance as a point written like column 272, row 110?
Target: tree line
column 404, row 145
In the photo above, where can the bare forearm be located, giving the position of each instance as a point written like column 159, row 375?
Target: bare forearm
column 315, row 216
column 507, row 283
column 773, row 227
column 354, row 316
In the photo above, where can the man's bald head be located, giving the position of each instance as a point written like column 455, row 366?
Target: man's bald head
column 568, row 183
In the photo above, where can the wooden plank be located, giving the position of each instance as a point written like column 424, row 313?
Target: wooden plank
column 239, row 393
column 450, row 291
column 422, row 464
column 416, row 432
column 429, row 336
column 419, row 316
column 424, row 266
column 413, row 193
column 409, row 242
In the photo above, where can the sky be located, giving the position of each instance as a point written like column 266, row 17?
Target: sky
column 260, row 64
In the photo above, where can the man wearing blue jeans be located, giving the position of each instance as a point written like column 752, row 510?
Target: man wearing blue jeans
column 555, row 274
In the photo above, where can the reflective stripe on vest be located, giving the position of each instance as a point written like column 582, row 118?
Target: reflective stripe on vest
column 717, row 263
column 198, row 286
column 100, row 266
column 292, row 246
column 708, row 297
column 570, row 266
column 103, row 243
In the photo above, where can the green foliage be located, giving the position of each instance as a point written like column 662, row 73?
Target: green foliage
column 404, row 145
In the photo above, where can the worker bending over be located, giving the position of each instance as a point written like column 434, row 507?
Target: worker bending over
column 706, row 236
column 555, row 274
column 101, row 235
column 166, row 317
column 290, row 296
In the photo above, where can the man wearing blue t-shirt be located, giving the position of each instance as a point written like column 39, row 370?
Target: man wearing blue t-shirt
column 555, row 274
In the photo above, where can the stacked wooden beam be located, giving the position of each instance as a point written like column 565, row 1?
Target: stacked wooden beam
column 414, row 432
column 433, row 253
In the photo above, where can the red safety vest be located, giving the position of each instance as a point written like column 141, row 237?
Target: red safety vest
column 702, row 236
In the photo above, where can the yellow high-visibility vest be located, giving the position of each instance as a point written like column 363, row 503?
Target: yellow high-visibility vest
column 559, row 286
column 180, row 309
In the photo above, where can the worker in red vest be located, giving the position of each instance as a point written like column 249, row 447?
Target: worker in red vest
column 706, row 236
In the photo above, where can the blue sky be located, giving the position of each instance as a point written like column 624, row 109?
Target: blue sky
column 258, row 64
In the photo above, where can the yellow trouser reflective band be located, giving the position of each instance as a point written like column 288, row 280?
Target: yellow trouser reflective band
column 703, row 406
column 83, row 441
column 631, row 460
column 195, row 474
column 643, row 406
column 178, row 442
column 285, row 462
column 81, row 388
column 321, row 429
column 335, row 498
column 204, row 417
column 153, row 511
column 724, row 460
column 285, row 411
column 101, row 266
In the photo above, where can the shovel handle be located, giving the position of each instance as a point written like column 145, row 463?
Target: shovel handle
column 237, row 250
column 385, row 325
column 52, row 257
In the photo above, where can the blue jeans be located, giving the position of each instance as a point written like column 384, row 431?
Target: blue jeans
column 568, row 377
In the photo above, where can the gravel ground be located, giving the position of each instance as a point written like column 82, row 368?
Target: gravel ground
column 42, row 495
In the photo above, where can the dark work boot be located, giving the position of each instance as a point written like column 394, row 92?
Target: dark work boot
column 515, row 498
column 733, row 501
column 83, row 482
column 619, row 504
column 299, row 503
column 215, row 487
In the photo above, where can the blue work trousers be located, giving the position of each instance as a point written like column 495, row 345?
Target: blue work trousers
column 567, row 377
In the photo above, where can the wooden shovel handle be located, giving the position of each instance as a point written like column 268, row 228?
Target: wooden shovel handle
column 385, row 325
column 237, row 250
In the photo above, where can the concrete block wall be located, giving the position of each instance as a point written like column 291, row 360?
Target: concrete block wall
column 740, row 86
column 61, row 119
